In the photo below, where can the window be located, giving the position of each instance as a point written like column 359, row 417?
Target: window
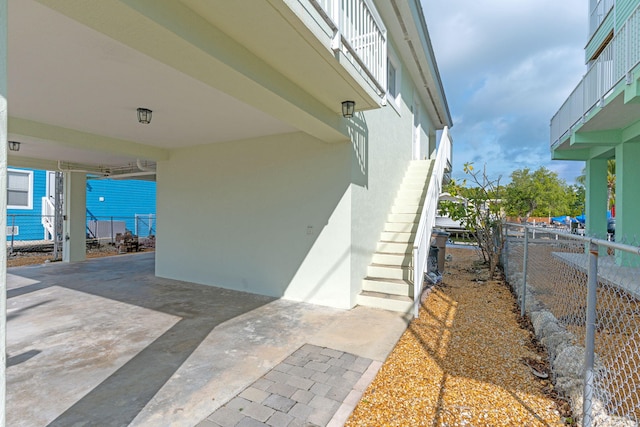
column 393, row 80
column 19, row 189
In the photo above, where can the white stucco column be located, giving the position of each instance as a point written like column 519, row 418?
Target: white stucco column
column 3, row 207
column 74, row 247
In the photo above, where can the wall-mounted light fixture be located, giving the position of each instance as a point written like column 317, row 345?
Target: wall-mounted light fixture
column 348, row 108
column 144, row 115
column 14, row 146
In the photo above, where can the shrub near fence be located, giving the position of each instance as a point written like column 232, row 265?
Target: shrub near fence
column 583, row 298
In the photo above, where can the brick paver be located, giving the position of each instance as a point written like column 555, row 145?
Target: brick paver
column 314, row 386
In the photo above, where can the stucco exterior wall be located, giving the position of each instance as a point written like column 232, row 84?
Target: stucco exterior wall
column 388, row 154
column 269, row 216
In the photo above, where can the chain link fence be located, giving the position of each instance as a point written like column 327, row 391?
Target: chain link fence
column 582, row 295
column 30, row 234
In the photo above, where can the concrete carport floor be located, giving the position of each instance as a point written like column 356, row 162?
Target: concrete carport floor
column 105, row 342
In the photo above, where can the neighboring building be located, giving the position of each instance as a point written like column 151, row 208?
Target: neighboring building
column 31, row 198
column 263, row 185
column 129, row 202
column 601, row 118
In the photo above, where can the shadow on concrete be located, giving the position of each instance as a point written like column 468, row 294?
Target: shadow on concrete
column 129, row 279
column 23, row 357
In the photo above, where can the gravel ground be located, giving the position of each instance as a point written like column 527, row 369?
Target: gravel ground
column 468, row 360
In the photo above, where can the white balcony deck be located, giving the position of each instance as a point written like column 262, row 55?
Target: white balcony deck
column 359, row 33
column 613, row 65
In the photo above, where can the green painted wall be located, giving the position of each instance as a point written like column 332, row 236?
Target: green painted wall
column 599, row 37
column 623, row 9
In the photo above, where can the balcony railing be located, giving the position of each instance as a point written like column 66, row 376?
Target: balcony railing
column 615, row 62
column 598, row 14
column 359, row 33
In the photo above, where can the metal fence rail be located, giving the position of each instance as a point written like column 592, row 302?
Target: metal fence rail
column 583, row 297
column 29, row 233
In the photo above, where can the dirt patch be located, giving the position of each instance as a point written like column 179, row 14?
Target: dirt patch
column 20, row 259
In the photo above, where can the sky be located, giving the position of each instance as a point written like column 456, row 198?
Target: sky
column 506, row 67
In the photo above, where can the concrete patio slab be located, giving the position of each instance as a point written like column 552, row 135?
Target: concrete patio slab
column 105, row 342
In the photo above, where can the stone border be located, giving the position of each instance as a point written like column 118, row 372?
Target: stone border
column 565, row 357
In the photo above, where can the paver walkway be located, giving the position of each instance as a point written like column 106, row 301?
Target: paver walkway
column 314, row 386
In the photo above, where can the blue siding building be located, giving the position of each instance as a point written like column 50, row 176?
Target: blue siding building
column 108, row 200
column 123, row 200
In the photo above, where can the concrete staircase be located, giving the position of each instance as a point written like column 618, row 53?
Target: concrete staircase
column 389, row 281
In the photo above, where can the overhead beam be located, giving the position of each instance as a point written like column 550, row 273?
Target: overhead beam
column 602, row 137
column 85, row 141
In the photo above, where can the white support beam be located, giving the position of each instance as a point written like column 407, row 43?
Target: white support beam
column 71, row 138
column 74, row 247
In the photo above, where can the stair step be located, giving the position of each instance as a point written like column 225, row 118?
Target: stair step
column 394, row 248
column 410, row 196
column 385, row 271
column 396, row 237
column 406, row 208
column 404, row 260
column 420, row 163
column 423, row 166
column 397, row 303
column 401, row 227
column 424, row 169
column 410, row 193
column 388, row 286
column 424, row 172
column 403, row 217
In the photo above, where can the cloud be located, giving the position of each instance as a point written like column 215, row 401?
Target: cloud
column 507, row 66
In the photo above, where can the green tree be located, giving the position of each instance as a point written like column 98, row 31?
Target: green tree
column 538, row 193
column 576, row 195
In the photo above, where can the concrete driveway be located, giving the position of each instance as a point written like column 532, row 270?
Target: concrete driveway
column 105, row 342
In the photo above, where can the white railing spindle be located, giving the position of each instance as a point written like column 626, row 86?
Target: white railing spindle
column 360, row 35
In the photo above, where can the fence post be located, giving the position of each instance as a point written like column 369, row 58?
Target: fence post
column 112, row 237
column 590, row 335
column 523, row 297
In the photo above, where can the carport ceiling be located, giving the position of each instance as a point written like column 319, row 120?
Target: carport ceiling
column 65, row 75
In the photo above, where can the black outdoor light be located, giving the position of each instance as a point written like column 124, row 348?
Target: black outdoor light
column 348, row 108
column 144, row 115
column 14, row 146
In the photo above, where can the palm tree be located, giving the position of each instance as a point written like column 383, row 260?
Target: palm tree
column 611, row 182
